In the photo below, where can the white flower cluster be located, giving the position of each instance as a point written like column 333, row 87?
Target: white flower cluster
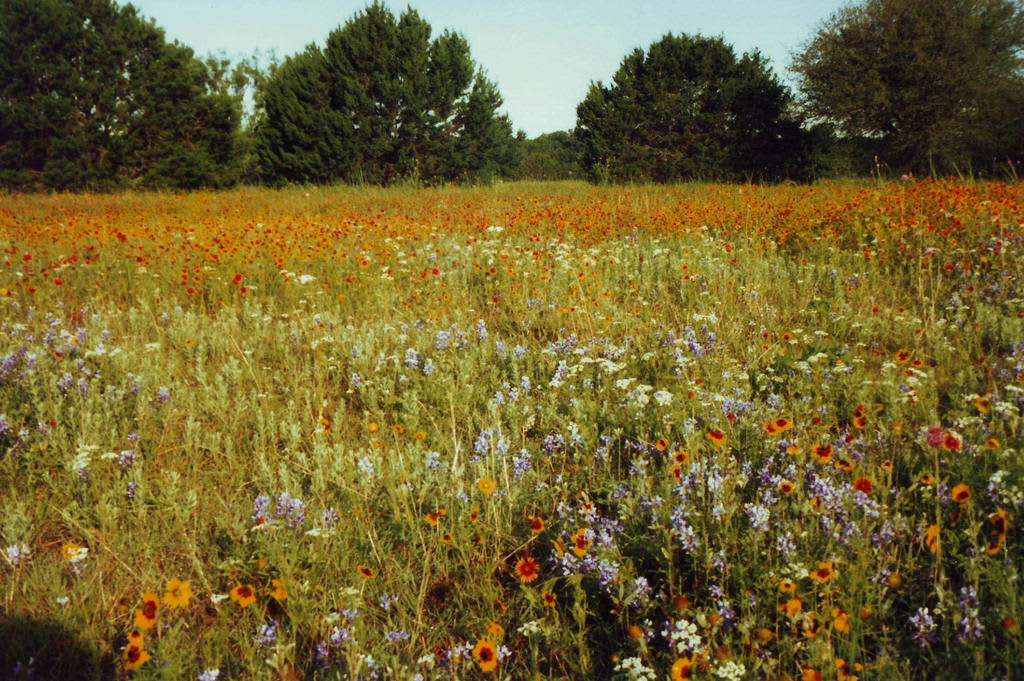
column 17, row 553
column 730, row 671
column 635, row 669
column 684, row 637
column 530, row 628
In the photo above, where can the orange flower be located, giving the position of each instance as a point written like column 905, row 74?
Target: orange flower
column 786, row 487
column 580, row 542
column 717, row 437
column 279, row 593
column 931, row 538
column 243, row 595
column 486, row 486
column 902, row 356
column 950, row 442
column 528, row 569
column 781, row 425
column 661, row 445
column 548, row 598
column 787, row 586
column 433, row 517
column 135, row 654
column 863, row 485
column 495, row 629
column 793, row 606
column 961, row 494
column 840, row 620
column 983, row 403
column 486, row 655
column 536, row 524
column 145, row 618
column 682, row 668
column 824, row 573
column 926, row 480
column 178, row 594
column 681, row 457
column 823, row 453
column 366, row 572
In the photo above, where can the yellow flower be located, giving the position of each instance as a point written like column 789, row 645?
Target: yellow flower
column 135, row 654
column 366, row 572
column 840, row 620
column 961, row 494
column 485, row 652
column 486, row 485
column 178, row 593
column 279, row 593
column 145, row 618
column 243, row 595
column 682, row 668
column 495, row 629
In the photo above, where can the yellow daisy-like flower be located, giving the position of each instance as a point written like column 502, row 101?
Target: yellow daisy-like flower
column 682, row 668
column 366, row 572
column 485, row 652
column 961, row 494
column 486, row 486
column 135, row 654
column 243, row 595
column 178, row 593
column 145, row 618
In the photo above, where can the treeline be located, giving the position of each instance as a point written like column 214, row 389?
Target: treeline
column 92, row 96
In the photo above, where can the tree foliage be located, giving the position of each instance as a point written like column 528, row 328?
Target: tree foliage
column 688, row 108
column 925, row 83
column 552, row 156
column 92, row 96
column 379, row 102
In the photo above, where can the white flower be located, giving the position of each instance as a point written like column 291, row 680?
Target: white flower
column 662, row 398
column 730, row 670
column 17, row 553
column 306, row 278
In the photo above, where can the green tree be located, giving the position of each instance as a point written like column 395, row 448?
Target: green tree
column 552, row 156
column 381, row 101
column 688, row 108
column 92, row 95
column 922, row 84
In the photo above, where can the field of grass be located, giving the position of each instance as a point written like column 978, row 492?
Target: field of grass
column 520, row 432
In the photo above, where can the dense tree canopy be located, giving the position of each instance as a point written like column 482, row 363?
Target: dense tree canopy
column 923, row 84
column 379, row 102
column 688, row 108
column 92, row 96
column 552, row 156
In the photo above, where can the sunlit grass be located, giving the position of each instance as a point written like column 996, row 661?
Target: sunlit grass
column 554, row 430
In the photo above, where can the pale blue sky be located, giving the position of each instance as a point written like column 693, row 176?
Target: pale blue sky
column 541, row 53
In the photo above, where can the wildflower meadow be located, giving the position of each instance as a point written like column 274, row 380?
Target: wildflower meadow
column 528, row 431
